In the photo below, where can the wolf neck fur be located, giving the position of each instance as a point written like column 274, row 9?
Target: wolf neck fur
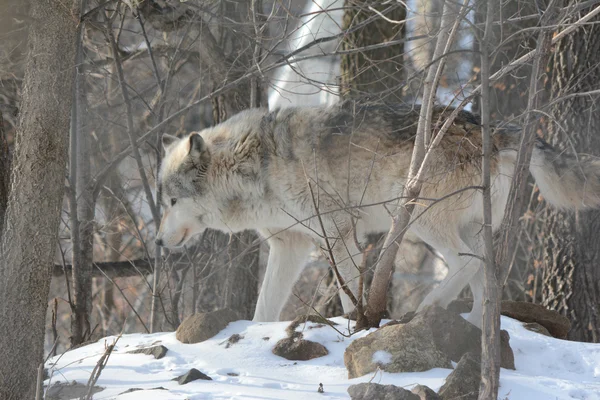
column 234, row 173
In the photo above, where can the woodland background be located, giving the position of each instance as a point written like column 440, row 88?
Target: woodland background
column 144, row 68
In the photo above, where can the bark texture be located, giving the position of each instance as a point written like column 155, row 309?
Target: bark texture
column 508, row 96
column 569, row 249
column 37, row 184
column 379, row 71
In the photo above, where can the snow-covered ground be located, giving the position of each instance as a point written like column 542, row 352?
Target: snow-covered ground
column 546, row 368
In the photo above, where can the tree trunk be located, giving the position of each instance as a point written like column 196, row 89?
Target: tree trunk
column 37, row 185
column 508, row 96
column 82, row 209
column 379, row 72
column 237, row 255
column 569, row 248
column 4, row 172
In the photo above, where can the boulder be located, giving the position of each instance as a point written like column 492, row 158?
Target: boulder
column 157, row 352
column 200, row 327
column 298, row 349
column 463, row 382
column 431, row 339
column 410, row 348
column 375, row 391
column 425, row 393
column 556, row 324
column 190, row 376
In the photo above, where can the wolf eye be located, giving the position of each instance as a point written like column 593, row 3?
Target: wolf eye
column 173, row 201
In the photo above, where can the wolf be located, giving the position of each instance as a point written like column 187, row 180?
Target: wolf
column 330, row 175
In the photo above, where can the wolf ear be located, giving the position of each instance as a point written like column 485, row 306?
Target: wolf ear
column 168, row 140
column 197, row 145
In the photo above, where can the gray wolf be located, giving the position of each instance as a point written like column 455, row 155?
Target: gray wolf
column 272, row 172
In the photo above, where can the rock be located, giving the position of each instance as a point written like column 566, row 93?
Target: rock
column 556, row 324
column 411, row 348
column 537, row 328
column 425, row 393
column 199, row 327
column 460, row 306
column 431, row 339
column 138, row 389
column 192, row 375
column 455, row 336
column 157, row 352
column 507, row 357
column 375, row 391
column 67, row 391
column 463, row 382
column 297, row 349
column 233, row 339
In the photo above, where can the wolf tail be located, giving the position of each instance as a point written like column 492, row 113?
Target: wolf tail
column 565, row 181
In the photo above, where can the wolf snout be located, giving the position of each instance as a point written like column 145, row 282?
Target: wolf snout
column 159, row 242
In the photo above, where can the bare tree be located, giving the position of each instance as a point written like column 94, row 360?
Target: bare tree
column 569, row 246
column 379, row 71
column 37, row 186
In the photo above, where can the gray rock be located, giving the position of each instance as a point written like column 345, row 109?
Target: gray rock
column 410, row 349
column 297, row 349
column 431, row 339
column 200, row 327
column 192, row 375
column 157, row 352
column 425, row 393
column 375, row 391
column 67, row 391
column 463, row 382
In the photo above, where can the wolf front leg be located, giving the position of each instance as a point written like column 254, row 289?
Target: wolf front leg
column 288, row 254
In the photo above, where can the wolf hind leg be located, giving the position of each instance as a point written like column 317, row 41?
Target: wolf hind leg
column 461, row 271
column 288, row 254
column 476, row 315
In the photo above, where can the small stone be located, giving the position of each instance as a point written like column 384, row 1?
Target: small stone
column 537, row 328
column 233, row 339
column 299, row 349
column 157, row 352
column 200, row 327
column 192, row 375
column 138, row 389
column 375, row 391
column 425, row 393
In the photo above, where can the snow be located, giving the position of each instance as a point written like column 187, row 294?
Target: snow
column 546, row 368
column 381, row 357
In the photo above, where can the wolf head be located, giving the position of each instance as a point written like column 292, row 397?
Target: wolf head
column 184, row 195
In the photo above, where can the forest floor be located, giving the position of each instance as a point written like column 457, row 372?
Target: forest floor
column 546, row 368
